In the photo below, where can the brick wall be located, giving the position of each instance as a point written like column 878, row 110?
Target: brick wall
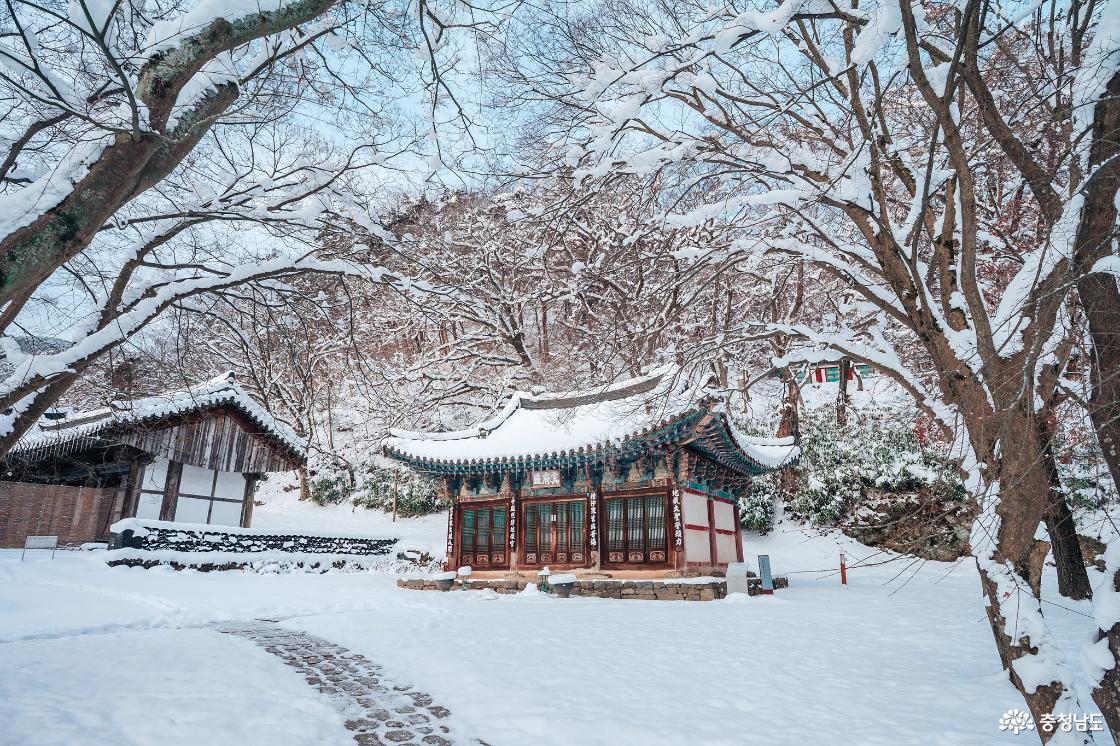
column 74, row 514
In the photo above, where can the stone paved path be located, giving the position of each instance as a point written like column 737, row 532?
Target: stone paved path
column 378, row 713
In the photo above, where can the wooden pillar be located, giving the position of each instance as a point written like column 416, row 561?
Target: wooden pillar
column 448, row 490
column 679, row 560
column 170, row 490
column 512, row 522
column 738, row 533
column 247, row 502
column 593, row 534
column 128, row 497
column 676, row 478
column 713, row 548
column 452, row 550
column 116, row 505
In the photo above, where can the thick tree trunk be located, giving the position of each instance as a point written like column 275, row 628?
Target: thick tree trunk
column 1040, row 701
column 1006, row 577
column 1038, row 564
column 1025, row 487
column 1098, row 292
column 1024, row 490
column 1100, row 299
column 1073, row 580
column 304, row 485
column 126, row 167
column 789, row 423
column 788, row 426
column 843, row 401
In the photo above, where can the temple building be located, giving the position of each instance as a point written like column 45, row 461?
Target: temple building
column 192, row 455
column 643, row 475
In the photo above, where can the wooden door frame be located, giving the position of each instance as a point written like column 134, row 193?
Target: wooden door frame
column 666, row 494
column 460, row 506
column 566, row 497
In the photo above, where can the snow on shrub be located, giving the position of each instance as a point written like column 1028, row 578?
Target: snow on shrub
column 416, row 495
column 373, row 486
column 756, row 508
column 876, row 449
column 331, row 488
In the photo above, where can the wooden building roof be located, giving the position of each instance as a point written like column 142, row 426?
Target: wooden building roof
column 537, row 431
column 214, row 425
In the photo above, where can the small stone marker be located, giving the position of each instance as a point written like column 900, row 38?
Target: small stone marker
column 736, row 577
column 764, row 573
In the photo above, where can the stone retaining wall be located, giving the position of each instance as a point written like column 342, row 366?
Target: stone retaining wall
column 158, row 536
column 274, row 566
column 638, row 590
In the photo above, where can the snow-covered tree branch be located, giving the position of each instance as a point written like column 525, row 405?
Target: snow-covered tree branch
column 892, row 146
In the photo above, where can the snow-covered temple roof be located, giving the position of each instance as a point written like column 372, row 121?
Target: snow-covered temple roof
column 546, row 430
column 76, row 429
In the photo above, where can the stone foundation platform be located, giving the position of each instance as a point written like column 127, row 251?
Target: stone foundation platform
column 638, row 590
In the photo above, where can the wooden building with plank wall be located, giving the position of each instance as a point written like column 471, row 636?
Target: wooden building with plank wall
column 641, row 476
column 190, row 456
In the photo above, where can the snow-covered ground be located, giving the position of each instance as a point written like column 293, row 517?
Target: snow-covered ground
column 282, row 511
column 90, row 655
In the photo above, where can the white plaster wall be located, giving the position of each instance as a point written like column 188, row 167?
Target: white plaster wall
column 694, row 508
column 196, row 481
column 696, row 546
column 226, row 514
column 725, row 548
column 155, row 475
column 191, row 510
column 724, row 515
column 230, row 485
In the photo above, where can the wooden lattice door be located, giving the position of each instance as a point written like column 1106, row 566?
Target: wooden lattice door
column 636, row 530
column 553, row 532
column 483, row 536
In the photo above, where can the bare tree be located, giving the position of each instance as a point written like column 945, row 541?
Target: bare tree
column 893, row 147
column 155, row 153
column 560, row 287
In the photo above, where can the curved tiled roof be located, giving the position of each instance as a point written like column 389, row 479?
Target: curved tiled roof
column 541, row 430
column 81, row 427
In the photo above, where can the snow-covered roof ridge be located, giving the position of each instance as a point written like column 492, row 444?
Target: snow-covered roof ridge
column 773, row 453
column 647, row 383
column 547, row 426
column 218, row 391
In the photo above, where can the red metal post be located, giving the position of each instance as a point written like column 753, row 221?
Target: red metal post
column 843, row 570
